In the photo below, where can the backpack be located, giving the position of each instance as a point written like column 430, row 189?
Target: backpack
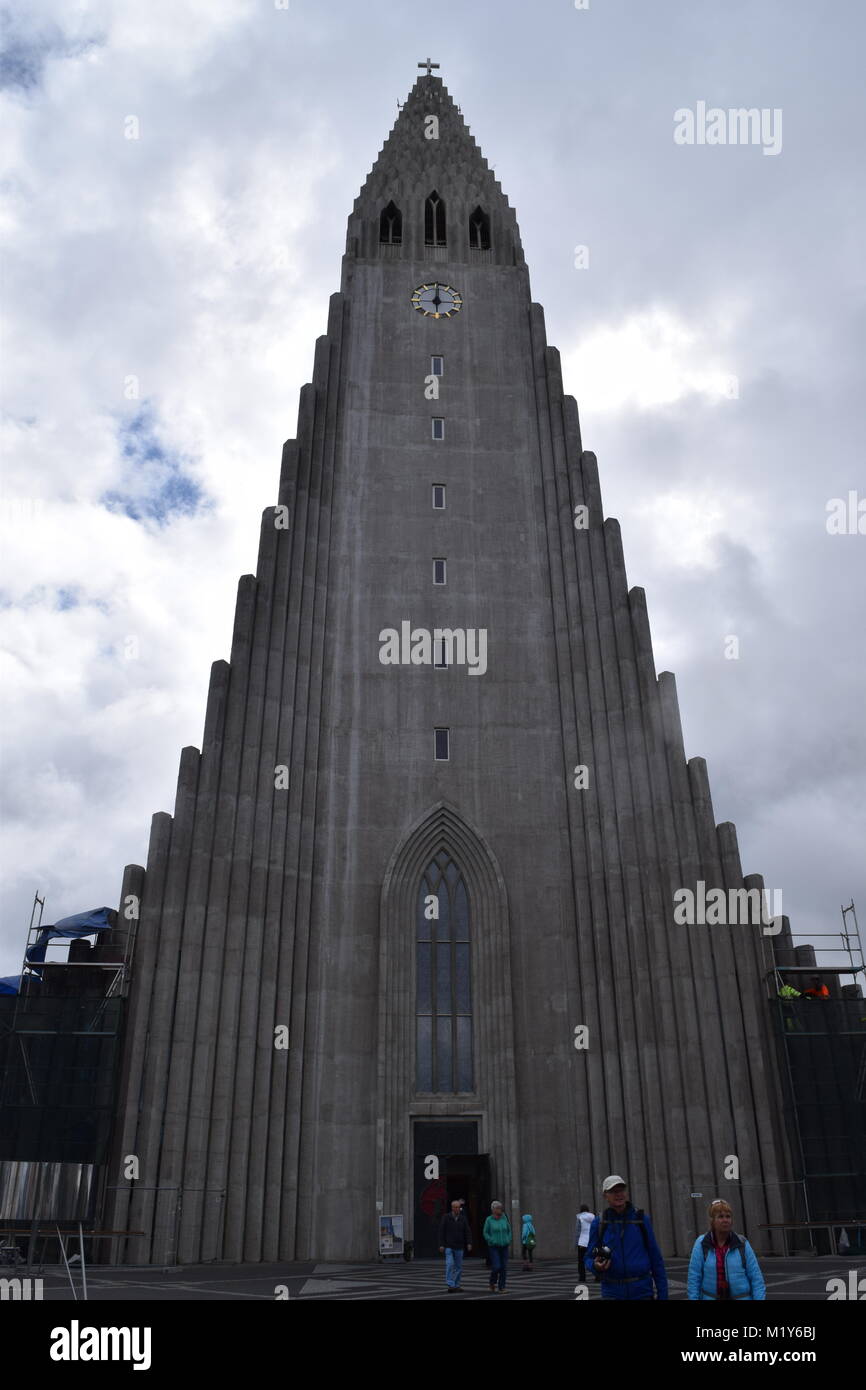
column 639, row 1215
column 638, row 1220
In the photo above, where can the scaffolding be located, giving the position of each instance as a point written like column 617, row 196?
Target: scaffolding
column 822, row 1046
column 60, row 1038
column 114, row 957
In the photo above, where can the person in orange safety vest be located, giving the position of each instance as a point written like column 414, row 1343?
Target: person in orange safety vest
column 816, row 990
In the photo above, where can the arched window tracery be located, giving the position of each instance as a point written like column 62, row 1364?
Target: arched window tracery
column 391, row 225
column 479, row 230
column 443, row 980
column 434, row 220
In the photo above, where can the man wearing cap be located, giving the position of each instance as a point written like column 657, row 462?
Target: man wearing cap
column 635, row 1262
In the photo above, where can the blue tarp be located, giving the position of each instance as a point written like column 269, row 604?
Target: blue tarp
column 10, row 984
column 81, row 924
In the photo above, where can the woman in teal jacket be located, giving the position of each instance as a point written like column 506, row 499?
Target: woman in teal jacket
column 724, row 1265
column 497, row 1233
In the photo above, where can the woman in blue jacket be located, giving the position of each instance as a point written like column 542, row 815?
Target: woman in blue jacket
column 724, row 1265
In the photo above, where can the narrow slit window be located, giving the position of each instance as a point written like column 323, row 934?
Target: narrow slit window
column 440, row 652
column 439, row 497
column 438, row 426
column 437, row 365
column 439, row 571
column 442, row 745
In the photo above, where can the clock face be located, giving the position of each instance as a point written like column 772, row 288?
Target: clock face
column 437, row 301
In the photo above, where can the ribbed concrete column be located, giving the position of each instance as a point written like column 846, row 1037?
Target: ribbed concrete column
column 279, row 910
column 658, row 1051
column 554, row 1034
column 230, row 853
column 240, row 995
column 189, row 1092
column 605, row 995
column 593, row 752
column 725, row 1012
column 712, row 1074
column 782, row 1200
column 783, row 945
column 270, row 1072
column 305, row 1060
column 256, row 1052
column 753, row 959
column 117, row 1196
column 622, row 1030
column 288, row 481
column 586, row 834
column 167, row 1178
column 291, row 751
column 222, row 952
column 692, row 1151
column 320, row 1203
column 598, row 1002
column 282, row 1156
column 128, row 1206
column 120, row 940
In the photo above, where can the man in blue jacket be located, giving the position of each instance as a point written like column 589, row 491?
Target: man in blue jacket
column 635, row 1261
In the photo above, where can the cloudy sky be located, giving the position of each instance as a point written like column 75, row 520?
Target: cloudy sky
column 177, row 177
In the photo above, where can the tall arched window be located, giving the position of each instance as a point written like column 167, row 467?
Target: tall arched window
column 443, row 1047
column 391, row 225
column 434, row 220
column 479, row 230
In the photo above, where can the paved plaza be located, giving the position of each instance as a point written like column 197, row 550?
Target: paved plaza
column 795, row 1280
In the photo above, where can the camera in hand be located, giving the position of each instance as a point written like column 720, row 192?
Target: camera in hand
column 602, row 1252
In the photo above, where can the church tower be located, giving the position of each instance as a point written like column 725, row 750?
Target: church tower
column 417, row 897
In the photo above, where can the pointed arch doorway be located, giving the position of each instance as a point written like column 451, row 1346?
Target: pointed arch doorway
column 463, row 1174
column 446, row 1035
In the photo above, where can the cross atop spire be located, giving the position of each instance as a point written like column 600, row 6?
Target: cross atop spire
column 428, row 65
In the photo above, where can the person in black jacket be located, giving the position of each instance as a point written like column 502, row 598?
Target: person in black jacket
column 455, row 1237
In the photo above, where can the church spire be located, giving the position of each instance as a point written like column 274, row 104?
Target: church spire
column 430, row 152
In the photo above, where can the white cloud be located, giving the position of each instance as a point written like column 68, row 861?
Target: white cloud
column 182, row 260
column 654, row 358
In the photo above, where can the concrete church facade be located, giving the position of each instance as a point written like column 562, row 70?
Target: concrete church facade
column 406, row 906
